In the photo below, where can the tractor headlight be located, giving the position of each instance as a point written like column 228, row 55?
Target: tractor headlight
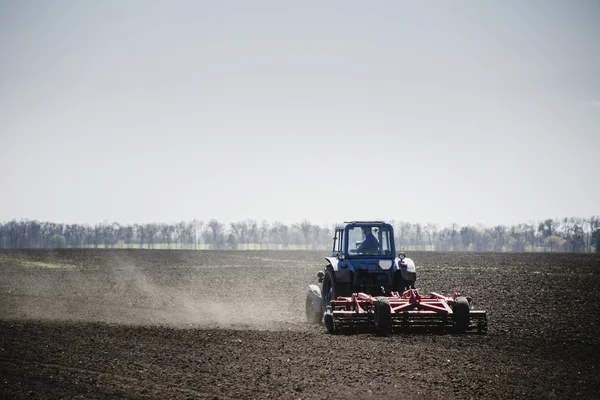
column 341, row 256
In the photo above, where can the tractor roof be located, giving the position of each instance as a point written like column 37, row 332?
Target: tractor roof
column 364, row 222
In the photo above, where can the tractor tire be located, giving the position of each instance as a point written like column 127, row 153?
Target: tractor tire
column 331, row 289
column 383, row 311
column 461, row 311
column 330, row 324
column 327, row 289
column 312, row 316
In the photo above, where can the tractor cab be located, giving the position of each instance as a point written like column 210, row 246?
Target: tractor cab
column 364, row 239
column 363, row 260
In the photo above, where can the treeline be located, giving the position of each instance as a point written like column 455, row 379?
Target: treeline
column 565, row 235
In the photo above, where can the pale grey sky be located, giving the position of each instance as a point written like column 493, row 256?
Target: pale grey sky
column 442, row 111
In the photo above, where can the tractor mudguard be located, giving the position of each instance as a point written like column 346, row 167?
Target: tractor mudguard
column 341, row 275
column 333, row 261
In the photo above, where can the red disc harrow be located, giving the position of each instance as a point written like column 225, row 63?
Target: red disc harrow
column 405, row 311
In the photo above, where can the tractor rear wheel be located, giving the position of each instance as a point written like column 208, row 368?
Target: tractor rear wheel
column 461, row 311
column 331, row 289
column 382, row 316
column 327, row 291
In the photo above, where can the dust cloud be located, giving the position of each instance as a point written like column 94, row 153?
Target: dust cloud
column 255, row 293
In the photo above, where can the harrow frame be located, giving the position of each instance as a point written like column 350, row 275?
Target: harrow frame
column 406, row 311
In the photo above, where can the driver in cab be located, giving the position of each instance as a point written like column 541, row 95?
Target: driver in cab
column 370, row 243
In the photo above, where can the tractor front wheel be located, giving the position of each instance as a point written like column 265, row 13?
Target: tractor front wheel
column 313, row 316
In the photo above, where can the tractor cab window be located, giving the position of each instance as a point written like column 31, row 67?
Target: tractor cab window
column 369, row 240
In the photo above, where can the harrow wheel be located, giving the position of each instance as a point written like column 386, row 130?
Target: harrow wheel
column 329, row 323
column 382, row 316
column 461, row 315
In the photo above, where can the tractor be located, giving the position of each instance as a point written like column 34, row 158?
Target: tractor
column 366, row 284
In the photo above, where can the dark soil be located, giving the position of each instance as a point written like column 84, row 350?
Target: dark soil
column 230, row 325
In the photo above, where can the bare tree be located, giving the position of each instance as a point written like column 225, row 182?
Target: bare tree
column 454, row 235
column 207, row 236
column 197, row 229
column 151, row 231
column 128, row 235
column 218, row 233
column 305, row 227
column 402, row 231
column 548, row 228
column 499, row 237
column 594, row 233
column 253, row 231
column 596, row 240
column 240, row 232
column 430, row 230
column 276, row 232
column 263, row 234
column 468, row 235
column 166, row 233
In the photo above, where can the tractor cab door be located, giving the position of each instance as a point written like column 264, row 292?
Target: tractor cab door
column 338, row 242
column 385, row 246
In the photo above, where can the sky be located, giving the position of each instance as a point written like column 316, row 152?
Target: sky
column 431, row 111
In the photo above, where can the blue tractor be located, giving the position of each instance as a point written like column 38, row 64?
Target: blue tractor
column 363, row 260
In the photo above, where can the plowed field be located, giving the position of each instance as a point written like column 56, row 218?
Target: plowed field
column 230, row 325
